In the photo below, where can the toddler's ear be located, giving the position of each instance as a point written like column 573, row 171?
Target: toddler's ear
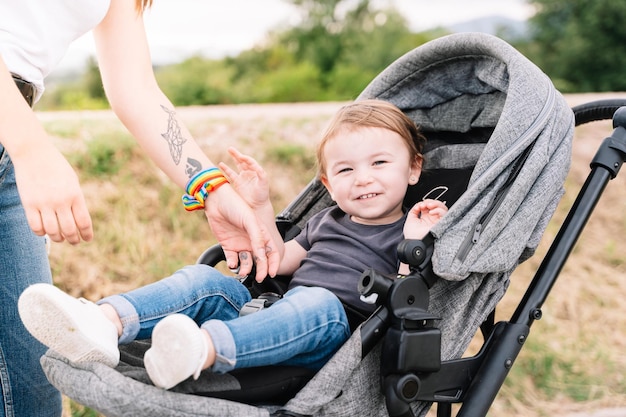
column 324, row 181
column 416, row 170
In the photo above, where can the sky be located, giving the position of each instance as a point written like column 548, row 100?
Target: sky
column 177, row 29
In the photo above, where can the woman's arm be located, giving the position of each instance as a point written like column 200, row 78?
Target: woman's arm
column 135, row 97
column 48, row 186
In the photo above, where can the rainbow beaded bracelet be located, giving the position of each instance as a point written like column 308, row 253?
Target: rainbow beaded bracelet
column 199, row 187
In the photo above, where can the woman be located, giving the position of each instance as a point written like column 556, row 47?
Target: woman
column 39, row 191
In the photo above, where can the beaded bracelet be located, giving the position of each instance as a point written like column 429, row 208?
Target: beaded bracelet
column 199, row 187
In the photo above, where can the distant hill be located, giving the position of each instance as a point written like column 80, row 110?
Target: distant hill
column 493, row 25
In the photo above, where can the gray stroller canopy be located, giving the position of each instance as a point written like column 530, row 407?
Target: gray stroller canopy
column 496, row 125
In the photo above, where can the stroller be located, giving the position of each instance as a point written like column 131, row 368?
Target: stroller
column 499, row 145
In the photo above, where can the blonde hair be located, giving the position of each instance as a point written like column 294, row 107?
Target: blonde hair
column 372, row 113
column 142, row 5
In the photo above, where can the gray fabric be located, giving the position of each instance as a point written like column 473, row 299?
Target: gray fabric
column 528, row 110
column 111, row 393
column 457, row 83
column 131, row 365
column 346, row 386
column 453, row 156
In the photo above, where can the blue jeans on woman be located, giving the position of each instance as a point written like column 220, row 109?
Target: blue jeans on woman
column 23, row 261
column 304, row 328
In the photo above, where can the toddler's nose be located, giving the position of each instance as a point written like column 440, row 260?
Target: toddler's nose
column 363, row 177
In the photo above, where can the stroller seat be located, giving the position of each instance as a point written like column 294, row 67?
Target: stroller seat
column 499, row 143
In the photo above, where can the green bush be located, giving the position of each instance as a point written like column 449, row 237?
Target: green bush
column 104, row 155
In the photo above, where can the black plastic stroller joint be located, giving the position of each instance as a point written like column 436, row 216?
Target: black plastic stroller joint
column 411, row 345
column 612, row 153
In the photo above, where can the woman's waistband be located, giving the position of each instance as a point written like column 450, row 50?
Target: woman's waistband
column 26, row 88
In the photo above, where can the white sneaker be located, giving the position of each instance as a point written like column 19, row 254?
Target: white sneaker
column 178, row 351
column 75, row 328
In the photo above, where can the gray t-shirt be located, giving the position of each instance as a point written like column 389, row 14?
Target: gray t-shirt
column 339, row 250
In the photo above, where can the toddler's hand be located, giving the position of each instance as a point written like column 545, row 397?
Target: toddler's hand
column 251, row 182
column 422, row 217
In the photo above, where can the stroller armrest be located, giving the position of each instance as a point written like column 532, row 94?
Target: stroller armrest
column 212, row 256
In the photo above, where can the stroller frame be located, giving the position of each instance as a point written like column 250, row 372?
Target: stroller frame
column 412, row 369
column 475, row 381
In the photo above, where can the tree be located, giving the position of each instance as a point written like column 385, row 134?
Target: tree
column 338, row 47
column 93, row 81
column 580, row 44
column 348, row 41
column 318, row 39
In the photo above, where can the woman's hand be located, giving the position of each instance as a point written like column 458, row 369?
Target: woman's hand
column 51, row 196
column 239, row 231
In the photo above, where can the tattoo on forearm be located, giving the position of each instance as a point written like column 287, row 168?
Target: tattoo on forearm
column 172, row 136
column 192, row 167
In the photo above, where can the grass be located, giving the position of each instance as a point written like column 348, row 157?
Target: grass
column 105, row 155
column 574, row 359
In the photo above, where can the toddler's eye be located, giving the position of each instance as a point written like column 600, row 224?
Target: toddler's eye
column 342, row 170
column 379, row 162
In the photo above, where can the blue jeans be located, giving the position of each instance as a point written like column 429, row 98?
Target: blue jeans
column 305, row 328
column 23, row 261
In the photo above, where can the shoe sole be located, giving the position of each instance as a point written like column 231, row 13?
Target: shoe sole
column 43, row 315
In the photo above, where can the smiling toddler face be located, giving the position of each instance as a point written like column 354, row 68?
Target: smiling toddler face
column 367, row 170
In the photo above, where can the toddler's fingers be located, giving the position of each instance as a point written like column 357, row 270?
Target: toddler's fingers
column 240, row 157
column 228, row 172
column 233, row 152
column 431, row 204
column 439, row 211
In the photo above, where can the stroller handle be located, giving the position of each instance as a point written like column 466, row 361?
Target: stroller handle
column 597, row 110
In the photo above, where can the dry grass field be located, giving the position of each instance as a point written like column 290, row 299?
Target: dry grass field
column 574, row 361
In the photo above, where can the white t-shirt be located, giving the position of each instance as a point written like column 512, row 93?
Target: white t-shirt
column 35, row 34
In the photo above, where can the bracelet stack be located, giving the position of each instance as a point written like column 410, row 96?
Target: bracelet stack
column 199, row 187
